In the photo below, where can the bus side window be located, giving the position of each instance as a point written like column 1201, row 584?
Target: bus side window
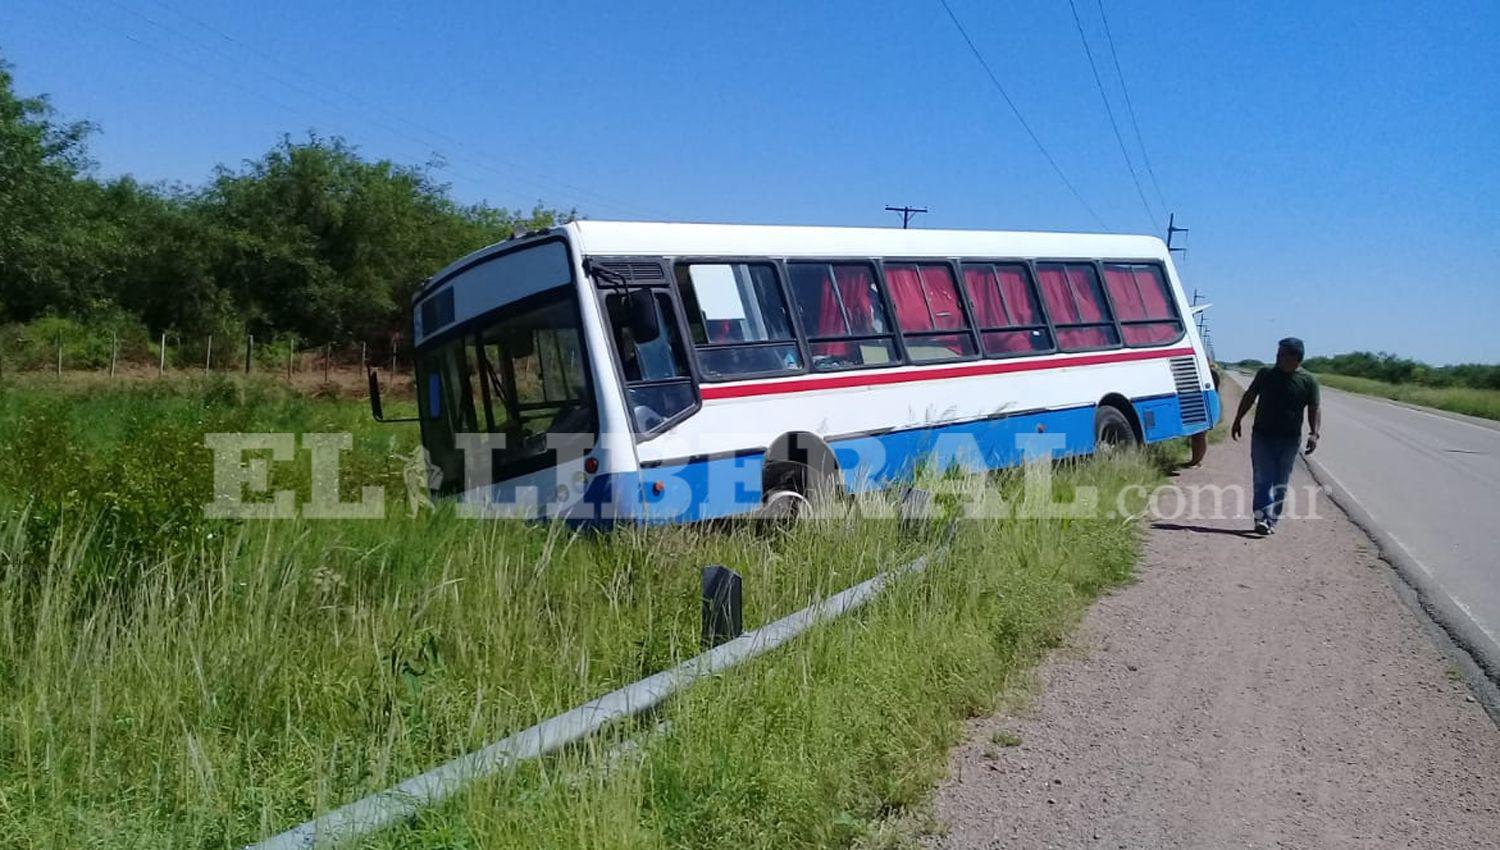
column 843, row 315
column 738, row 319
column 1006, row 309
column 658, row 384
column 1076, row 303
column 929, row 312
column 1143, row 303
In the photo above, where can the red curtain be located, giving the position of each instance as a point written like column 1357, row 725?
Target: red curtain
column 830, row 317
column 1086, row 290
column 1154, row 292
column 1020, row 300
column 857, row 287
column 1152, row 334
column 1085, row 337
column 984, row 294
column 906, row 295
column 725, row 330
column 1125, row 291
column 942, row 298
column 1139, row 292
column 1009, row 342
column 1056, row 292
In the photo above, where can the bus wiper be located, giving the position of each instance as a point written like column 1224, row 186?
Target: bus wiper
column 597, row 269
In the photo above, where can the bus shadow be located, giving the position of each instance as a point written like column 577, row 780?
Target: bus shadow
column 1205, row 529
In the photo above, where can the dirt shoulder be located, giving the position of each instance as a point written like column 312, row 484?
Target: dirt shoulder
column 1242, row 693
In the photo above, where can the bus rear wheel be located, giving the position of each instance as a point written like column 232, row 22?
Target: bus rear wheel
column 1112, row 431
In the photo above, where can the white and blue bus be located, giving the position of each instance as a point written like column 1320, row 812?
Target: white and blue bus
column 680, row 372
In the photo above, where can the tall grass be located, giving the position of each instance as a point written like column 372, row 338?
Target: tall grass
column 130, row 460
column 249, row 676
column 1483, row 403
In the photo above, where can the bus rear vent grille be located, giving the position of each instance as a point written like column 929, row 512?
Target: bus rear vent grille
column 1189, row 395
column 645, row 272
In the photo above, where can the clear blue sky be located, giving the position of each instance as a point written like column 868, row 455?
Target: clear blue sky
column 1339, row 165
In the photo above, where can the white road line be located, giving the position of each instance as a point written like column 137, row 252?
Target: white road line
column 1437, row 584
column 1414, row 409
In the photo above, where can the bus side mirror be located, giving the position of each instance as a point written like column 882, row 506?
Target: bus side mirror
column 641, row 316
column 376, row 409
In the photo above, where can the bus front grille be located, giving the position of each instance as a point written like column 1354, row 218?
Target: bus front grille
column 1189, row 394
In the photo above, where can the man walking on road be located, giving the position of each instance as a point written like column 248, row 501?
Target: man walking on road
column 1283, row 392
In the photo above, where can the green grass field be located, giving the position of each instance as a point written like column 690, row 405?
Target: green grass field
column 1471, row 401
column 171, row 681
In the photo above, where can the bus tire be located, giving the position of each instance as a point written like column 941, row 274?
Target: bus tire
column 800, row 471
column 786, row 499
column 1112, row 430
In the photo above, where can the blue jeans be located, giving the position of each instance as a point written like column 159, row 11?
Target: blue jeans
column 1271, row 459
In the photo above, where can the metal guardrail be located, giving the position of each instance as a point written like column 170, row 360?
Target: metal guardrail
column 400, row 802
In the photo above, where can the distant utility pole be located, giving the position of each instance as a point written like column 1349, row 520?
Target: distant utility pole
column 1173, row 230
column 906, row 213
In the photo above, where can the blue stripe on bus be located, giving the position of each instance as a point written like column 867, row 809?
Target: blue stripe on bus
column 727, row 486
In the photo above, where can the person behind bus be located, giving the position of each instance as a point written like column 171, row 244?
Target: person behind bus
column 1283, row 392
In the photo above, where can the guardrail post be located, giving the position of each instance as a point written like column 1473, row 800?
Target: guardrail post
column 916, row 508
column 723, row 609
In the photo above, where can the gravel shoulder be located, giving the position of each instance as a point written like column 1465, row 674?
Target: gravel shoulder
column 1241, row 693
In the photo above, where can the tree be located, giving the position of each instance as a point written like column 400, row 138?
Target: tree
column 50, row 243
column 310, row 239
column 329, row 246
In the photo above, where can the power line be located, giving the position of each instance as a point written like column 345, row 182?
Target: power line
column 1021, row 119
column 1130, row 107
column 1113, row 125
column 539, row 178
column 536, row 179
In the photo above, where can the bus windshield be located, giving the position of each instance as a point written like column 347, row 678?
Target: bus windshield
column 535, row 381
column 521, row 373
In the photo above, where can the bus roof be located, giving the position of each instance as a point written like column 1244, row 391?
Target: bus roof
column 677, row 239
column 624, row 238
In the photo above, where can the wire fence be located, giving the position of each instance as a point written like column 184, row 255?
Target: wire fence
column 131, row 357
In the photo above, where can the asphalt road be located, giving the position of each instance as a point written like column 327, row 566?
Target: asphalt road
column 1430, row 484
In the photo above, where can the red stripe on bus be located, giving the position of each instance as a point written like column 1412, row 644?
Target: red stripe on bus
column 870, row 379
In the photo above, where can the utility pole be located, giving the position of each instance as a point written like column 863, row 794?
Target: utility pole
column 1173, row 230
column 906, row 213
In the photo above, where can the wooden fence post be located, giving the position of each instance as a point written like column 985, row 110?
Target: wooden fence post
column 363, row 367
column 208, row 359
column 249, row 351
column 161, row 364
column 114, row 351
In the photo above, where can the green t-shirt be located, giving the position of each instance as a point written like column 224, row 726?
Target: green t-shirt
column 1281, row 400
